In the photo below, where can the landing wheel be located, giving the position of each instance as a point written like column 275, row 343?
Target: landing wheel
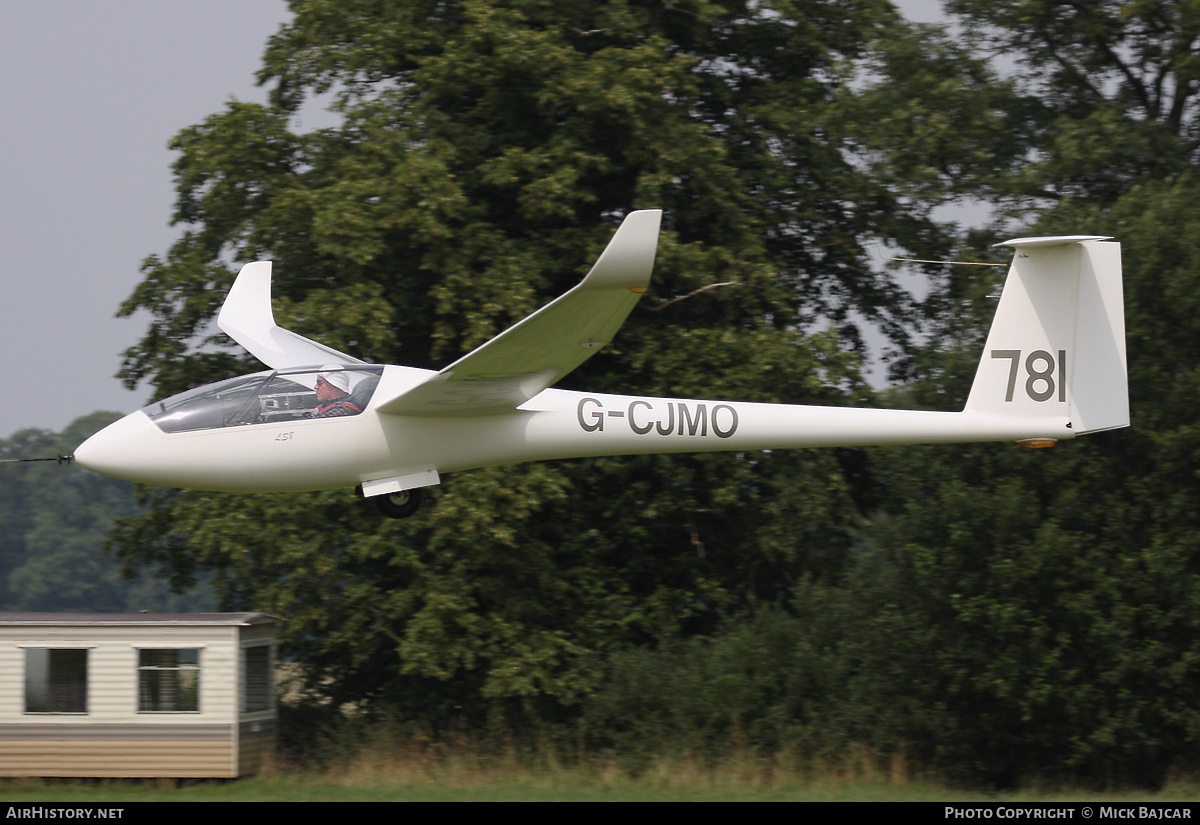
column 399, row 505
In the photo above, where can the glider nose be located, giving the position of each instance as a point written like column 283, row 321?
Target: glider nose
column 120, row 449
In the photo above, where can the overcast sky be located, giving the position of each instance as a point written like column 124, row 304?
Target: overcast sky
column 91, row 93
column 90, row 96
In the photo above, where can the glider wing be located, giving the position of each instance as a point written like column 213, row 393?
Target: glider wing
column 247, row 318
column 527, row 358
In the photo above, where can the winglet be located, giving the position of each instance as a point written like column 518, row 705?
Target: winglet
column 628, row 259
column 247, row 318
column 247, row 307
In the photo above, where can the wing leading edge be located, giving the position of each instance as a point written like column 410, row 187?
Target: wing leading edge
column 527, row 358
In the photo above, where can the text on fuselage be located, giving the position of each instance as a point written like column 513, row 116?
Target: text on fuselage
column 644, row 417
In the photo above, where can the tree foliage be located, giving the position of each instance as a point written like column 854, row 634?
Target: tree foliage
column 1118, row 83
column 55, row 521
column 1057, row 594
column 485, row 152
column 996, row 614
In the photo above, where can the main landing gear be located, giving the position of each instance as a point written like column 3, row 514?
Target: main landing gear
column 401, row 504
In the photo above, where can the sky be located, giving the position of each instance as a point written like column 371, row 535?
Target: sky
column 91, row 93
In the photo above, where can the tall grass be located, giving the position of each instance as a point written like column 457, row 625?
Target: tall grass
column 383, row 755
column 387, row 765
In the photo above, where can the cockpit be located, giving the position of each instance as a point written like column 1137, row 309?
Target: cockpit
column 271, row 397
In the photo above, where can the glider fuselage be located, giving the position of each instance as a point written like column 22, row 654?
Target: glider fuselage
column 332, row 453
column 1053, row 368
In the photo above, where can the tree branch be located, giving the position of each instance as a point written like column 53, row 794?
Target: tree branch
column 666, row 304
column 1079, row 76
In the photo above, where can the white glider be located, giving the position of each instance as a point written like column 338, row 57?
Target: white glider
column 1053, row 368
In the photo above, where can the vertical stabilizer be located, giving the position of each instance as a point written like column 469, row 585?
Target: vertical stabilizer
column 1056, row 349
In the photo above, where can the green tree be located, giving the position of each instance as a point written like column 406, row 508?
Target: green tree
column 1042, row 606
column 485, row 152
column 1037, row 101
column 1111, row 89
column 56, row 519
column 1060, row 591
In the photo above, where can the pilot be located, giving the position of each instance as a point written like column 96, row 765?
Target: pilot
column 333, row 393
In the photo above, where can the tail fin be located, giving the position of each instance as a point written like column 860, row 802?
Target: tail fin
column 1057, row 345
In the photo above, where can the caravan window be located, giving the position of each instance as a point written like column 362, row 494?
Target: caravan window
column 55, row 680
column 169, row 680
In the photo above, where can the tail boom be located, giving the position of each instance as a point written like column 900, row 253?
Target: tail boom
column 561, row 424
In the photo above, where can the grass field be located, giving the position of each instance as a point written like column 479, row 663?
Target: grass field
column 402, row 775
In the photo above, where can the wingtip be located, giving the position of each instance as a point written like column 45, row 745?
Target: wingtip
column 628, row 259
column 643, row 219
column 249, row 299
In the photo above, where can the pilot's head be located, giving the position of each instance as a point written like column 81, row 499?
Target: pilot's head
column 332, row 386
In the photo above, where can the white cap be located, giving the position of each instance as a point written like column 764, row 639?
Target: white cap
column 335, row 376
